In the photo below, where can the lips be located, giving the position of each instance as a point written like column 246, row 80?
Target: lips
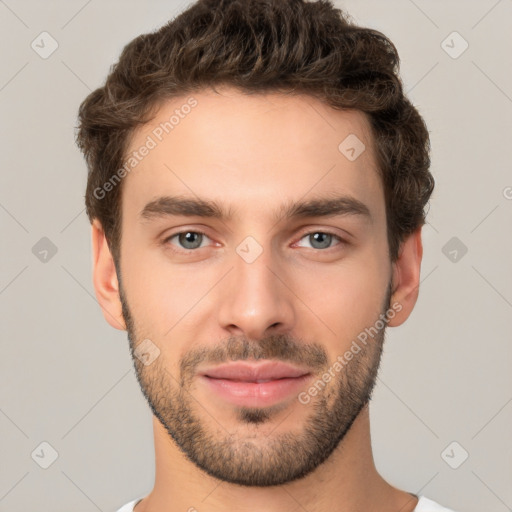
column 254, row 372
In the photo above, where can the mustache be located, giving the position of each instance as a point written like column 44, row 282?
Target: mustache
column 280, row 347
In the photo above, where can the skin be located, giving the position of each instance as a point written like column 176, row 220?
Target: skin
column 252, row 154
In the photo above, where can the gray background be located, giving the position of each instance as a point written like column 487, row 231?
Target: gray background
column 68, row 377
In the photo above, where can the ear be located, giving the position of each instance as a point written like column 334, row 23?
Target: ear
column 105, row 278
column 406, row 277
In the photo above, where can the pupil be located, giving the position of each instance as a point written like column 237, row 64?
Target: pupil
column 326, row 239
column 189, row 239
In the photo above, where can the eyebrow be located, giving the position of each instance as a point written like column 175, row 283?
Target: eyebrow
column 166, row 206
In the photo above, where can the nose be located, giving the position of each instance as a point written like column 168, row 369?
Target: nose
column 256, row 299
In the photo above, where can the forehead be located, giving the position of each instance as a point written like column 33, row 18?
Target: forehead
column 252, row 150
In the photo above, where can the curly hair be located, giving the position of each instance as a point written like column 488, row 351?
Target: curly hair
column 258, row 46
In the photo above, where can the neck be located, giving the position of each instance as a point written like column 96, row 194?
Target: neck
column 347, row 480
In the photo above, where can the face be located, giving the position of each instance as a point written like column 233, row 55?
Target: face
column 294, row 271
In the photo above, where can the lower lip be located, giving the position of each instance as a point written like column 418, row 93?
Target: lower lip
column 253, row 394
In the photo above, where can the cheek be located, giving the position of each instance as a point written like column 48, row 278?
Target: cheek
column 348, row 297
column 160, row 295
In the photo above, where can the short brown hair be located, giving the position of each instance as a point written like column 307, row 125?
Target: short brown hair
column 287, row 46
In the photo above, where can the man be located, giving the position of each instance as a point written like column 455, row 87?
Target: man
column 257, row 185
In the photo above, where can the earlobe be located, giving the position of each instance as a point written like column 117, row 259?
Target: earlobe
column 406, row 278
column 105, row 279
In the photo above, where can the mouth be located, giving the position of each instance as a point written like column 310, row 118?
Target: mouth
column 250, row 372
column 260, row 384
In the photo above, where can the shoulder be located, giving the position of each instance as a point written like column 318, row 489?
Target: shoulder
column 129, row 506
column 427, row 505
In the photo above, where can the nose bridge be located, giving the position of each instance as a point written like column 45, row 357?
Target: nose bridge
column 256, row 297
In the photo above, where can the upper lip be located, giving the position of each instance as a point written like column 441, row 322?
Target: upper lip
column 252, row 372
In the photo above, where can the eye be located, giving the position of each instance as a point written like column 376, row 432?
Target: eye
column 188, row 240
column 191, row 240
column 321, row 239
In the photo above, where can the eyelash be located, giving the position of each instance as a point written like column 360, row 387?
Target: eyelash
column 167, row 239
